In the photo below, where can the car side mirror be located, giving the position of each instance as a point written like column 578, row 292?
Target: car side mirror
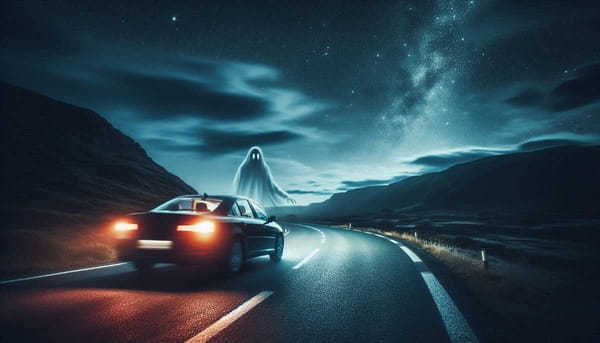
column 271, row 219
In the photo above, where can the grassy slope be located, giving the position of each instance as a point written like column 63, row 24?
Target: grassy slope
column 66, row 172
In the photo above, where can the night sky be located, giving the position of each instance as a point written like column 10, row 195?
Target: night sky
column 339, row 95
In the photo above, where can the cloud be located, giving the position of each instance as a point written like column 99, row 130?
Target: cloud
column 445, row 160
column 369, row 182
column 166, row 96
column 527, row 97
column 216, row 142
column 312, row 192
column 579, row 91
column 539, row 144
column 156, row 85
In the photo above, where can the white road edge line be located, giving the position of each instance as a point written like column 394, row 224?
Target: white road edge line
column 61, row 273
column 456, row 326
column 413, row 257
column 455, row 323
column 306, row 259
column 229, row 318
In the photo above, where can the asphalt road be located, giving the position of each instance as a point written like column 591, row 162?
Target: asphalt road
column 332, row 285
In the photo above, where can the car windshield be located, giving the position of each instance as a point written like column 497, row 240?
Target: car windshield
column 196, row 205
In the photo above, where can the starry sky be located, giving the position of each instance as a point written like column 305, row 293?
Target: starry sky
column 339, row 94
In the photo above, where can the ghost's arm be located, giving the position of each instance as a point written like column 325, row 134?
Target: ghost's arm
column 282, row 194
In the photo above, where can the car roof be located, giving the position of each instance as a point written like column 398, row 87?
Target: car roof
column 221, row 197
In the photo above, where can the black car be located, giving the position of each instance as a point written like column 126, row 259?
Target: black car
column 198, row 229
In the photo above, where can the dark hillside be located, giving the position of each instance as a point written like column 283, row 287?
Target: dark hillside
column 562, row 180
column 64, row 165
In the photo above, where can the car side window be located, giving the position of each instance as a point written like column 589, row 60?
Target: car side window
column 260, row 212
column 245, row 209
column 234, row 211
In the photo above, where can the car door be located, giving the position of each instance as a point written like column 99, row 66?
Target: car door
column 267, row 233
column 252, row 229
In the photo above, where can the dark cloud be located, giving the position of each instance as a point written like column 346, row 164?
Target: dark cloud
column 312, row 192
column 370, row 182
column 450, row 159
column 579, row 91
column 216, row 142
column 548, row 143
column 528, row 97
column 160, row 96
column 445, row 160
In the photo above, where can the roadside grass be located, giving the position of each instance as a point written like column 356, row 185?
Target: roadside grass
column 525, row 302
column 34, row 251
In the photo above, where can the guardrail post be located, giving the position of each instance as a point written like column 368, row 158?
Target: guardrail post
column 484, row 259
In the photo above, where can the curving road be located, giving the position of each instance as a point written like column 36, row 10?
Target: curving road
column 332, row 285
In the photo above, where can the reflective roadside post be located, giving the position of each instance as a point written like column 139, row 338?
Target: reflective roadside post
column 350, row 225
column 484, row 259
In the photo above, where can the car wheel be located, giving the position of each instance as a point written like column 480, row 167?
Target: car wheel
column 234, row 259
column 143, row 266
column 276, row 255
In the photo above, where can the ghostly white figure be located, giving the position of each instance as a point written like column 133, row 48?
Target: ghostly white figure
column 254, row 180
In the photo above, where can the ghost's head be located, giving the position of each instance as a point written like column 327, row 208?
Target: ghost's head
column 255, row 156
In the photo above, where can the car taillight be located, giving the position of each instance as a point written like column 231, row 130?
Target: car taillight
column 122, row 226
column 202, row 227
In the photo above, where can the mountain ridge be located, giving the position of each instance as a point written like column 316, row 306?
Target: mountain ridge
column 64, row 164
column 560, row 180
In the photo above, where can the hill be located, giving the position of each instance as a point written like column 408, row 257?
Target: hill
column 562, row 180
column 66, row 165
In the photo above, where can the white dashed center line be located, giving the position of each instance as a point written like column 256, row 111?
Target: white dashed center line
column 306, row 259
